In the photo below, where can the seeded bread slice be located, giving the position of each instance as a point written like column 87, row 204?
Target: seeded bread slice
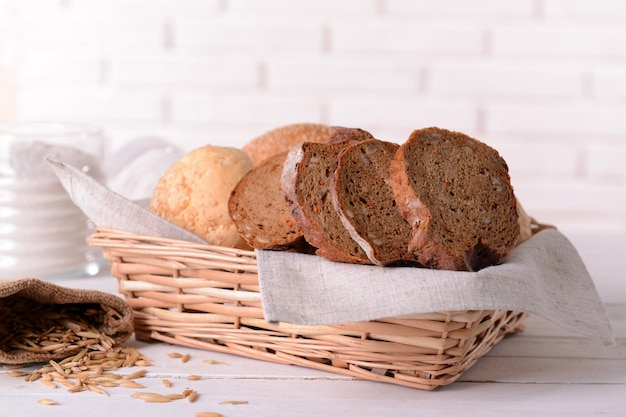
column 306, row 183
column 260, row 212
column 365, row 202
column 456, row 193
column 283, row 138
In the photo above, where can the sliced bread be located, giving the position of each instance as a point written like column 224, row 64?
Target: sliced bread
column 260, row 212
column 365, row 202
column 456, row 193
column 306, row 182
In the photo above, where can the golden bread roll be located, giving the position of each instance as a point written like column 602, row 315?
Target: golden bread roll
column 193, row 193
column 284, row 138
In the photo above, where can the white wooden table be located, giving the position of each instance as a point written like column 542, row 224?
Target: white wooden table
column 543, row 371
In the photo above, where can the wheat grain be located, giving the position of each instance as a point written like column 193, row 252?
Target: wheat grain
column 57, row 367
column 146, row 395
column 137, row 374
column 33, row 377
column 192, row 396
column 49, row 384
column 89, row 370
column 97, row 389
column 131, row 384
column 152, row 397
column 213, row 362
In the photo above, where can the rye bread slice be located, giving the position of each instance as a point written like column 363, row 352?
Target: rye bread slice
column 456, row 193
column 365, row 202
column 259, row 210
column 306, row 182
column 283, row 138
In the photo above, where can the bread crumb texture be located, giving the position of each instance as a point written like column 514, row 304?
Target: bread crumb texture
column 193, row 193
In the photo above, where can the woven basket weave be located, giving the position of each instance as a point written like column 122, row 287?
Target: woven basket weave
column 208, row 297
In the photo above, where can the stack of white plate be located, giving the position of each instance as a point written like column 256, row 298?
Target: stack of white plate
column 42, row 233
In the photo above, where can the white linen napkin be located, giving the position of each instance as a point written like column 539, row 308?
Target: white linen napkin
column 544, row 276
column 108, row 209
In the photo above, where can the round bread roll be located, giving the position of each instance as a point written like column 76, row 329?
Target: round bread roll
column 193, row 193
column 284, row 138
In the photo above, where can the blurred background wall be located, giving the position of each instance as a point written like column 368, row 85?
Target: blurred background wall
column 542, row 81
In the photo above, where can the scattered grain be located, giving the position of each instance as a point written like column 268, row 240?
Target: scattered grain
column 57, row 367
column 158, row 400
column 154, row 397
column 49, row 384
column 96, row 389
column 33, row 377
column 213, row 362
column 131, row 384
column 192, row 396
column 47, row 401
column 137, row 374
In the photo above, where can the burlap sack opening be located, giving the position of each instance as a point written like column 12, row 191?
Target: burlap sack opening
column 41, row 321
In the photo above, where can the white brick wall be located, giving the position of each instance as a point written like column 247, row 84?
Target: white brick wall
column 542, row 81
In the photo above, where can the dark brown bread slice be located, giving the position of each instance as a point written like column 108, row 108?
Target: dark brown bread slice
column 362, row 195
column 456, row 193
column 259, row 210
column 306, row 183
column 284, row 138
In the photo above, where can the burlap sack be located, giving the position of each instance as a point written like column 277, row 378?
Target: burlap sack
column 30, row 306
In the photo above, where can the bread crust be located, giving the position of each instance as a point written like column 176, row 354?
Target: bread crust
column 284, row 138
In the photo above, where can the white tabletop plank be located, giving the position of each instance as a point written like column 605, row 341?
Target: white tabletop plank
column 319, row 397
column 561, row 375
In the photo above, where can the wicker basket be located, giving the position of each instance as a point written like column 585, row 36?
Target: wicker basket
column 208, row 297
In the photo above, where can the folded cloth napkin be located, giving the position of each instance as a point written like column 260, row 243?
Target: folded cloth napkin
column 544, row 276
column 109, row 209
